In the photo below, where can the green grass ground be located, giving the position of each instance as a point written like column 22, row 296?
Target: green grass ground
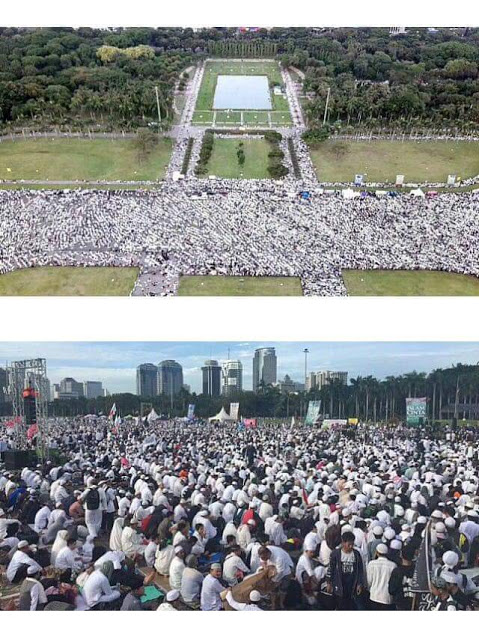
column 80, row 159
column 69, row 281
column 224, row 162
column 382, row 160
column 204, row 104
column 235, row 286
column 409, row 283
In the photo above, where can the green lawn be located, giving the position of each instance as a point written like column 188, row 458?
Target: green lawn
column 69, row 281
column 80, row 159
column 204, row 103
column 382, row 160
column 409, row 283
column 224, row 162
column 235, row 286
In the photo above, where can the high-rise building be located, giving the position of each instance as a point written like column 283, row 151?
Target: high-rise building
column 70, row 388
column 93, row 389
column 232, row 377
column 147, row 380
column 211, row 378
column 3, row 385
column 170, row 377
column 288, row 385
column 321, row 378
column 264, row 367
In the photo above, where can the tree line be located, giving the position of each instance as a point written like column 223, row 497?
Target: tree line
column 106, row 77
column 451, row 393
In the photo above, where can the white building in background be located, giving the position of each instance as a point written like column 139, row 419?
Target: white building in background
column 232, row 377
column 318, row 379
column 397, row 31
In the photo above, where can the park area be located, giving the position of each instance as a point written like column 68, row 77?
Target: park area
column 382, row 160
column 238, row 286
column 240, row 93
column 224, row 162
column 69, row 281
column 409, row 283
column 82, row 159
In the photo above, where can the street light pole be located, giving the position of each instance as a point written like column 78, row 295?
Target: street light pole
column 158, row 107
column 326, row 106
column 305, row 351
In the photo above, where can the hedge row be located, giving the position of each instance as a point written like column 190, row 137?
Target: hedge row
column 187, row 158
column 205, row 153
column 294, row 159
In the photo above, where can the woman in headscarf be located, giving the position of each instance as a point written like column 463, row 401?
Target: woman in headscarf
column 59, row 544
column 97, row 589
column 116, row 532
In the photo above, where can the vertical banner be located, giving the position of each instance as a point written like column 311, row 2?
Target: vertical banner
column 234, row 410
column 416, row 411
column 314, row 408
column 191, row 412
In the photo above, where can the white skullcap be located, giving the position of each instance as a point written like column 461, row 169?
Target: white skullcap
column 172, row 595
column 450, row 523
column 252, row 522
column 377, row 530
column 310, row 545
column 22, row 544
column 422, row 520
column 255, row 596
column 178, row 549
column 450, row 558
column 389, row 533
column 440, row 527
column 396, row 544
column 382, row 549
column 437, row 514
column 32, row 570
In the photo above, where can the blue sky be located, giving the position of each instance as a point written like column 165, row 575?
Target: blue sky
column 114, row 363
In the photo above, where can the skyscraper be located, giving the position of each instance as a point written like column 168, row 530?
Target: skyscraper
column 232, row 377
column 264, row 367
column 3, row 385
column 93, row 389
column 211, row 378
column 69, row 387
column 147, row 380
column 170, row 377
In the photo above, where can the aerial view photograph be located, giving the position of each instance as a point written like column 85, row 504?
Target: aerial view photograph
column 239, row 161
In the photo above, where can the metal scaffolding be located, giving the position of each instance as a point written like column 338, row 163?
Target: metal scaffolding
column 24, row 374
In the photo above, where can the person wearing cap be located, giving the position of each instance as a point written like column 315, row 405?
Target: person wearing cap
column 377, row 539
column 234, row 569
column 32, row 593
column 21, row 557
column 177, row 567
column 191, row 582
column 211, row 589
column 252, row 604
column 172, row 601
column 378, row 574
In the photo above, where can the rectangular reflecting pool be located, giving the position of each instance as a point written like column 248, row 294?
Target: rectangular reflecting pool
column 242, row 92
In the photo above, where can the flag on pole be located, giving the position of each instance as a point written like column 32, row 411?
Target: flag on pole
column 112, row 414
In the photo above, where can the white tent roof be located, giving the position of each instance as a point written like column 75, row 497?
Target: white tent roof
column 152, row 416
column 222, row 416
column 349, row 193
column 418, row 193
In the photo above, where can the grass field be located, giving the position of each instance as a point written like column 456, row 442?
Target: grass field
column 204, row 104
column 80, row 159
column 69, row 281
column 224, row 162
column 409, row 283
column 382, row 160
column 235, row 286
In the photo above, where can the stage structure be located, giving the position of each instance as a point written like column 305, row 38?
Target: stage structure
column 27, row 381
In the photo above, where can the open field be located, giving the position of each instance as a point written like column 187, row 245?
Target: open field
column 204, row 105
column 80, row 159
column 69, row 281
column 224, row 162
column 382, row 160
column 236, row 286
column 409, row 283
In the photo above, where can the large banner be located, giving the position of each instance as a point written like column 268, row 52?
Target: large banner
column 416, row 411
column 314, row 409
column 191, row 412
column 250, row 423
column 234, row 410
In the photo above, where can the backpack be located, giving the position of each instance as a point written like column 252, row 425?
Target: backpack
column 93, row 500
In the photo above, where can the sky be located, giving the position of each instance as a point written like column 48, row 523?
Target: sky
column 114, row 363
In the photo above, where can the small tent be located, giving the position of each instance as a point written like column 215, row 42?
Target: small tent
column 222, row 416
column 417, row 193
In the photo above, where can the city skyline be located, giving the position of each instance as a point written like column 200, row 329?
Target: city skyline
column 116, row 362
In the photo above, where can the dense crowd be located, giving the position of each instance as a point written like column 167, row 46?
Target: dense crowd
column 253, row 228
column 217, row 517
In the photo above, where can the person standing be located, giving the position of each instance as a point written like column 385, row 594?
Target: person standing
column 378, row 574
column 93, row 510
column 346, row 574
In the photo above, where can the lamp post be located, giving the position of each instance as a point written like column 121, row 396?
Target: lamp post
column 305, row 351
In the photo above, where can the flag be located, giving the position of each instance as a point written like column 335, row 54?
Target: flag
column 32, row 431
column 117, row 421
column 112, row 414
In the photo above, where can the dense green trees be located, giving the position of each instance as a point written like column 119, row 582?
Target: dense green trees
column 83, row 77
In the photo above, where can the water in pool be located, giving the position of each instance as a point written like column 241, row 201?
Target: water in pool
column 242, row 92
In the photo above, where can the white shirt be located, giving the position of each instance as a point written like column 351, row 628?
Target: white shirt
column 97, row 588
column 67, row 559
column 231, row 566
column 19, row 558
column 378, row 573
column 210, row 594
column 240, row 606
column 177, row 567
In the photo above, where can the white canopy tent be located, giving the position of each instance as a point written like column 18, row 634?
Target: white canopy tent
column 222, row 416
